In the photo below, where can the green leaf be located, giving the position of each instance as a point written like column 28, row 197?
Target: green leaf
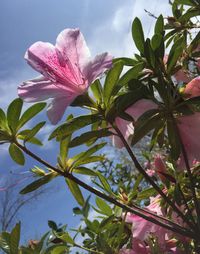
column 76, row 192
column 97, row 90
column 189, row 14
column 104, row 182
column 175, row 148
column 103, row 206
column 112, row 78
column 13, row 113
column 185, row 2
column 133, row 73
column 38, row 183
column 173, row 57
column 87, row 136
column 88, row 160
column 89, row 152
column 30, row 113
column 138, row 35
column 127, row 61
column 147, row 193
column 34, row 131
column 16, row 154
column 159, row 26
column 147, row 122
column 149, row 54
column 14, row 239
column 74, row 125
column 66, row 238
column 5, row 242
column 52, row 225
column 2, row 119
column 84, row 171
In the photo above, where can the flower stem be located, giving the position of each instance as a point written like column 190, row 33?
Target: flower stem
column 136, row 210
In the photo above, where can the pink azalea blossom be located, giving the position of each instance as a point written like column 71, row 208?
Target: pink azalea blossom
column 67, row 71
column 192, row 89
column 143, row 229
column 189, row 128
column 126, row 127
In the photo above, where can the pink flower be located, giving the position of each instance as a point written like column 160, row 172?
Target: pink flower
column 182, row 76
column 126, row 127
column 67, row 71
column 189, row 128
column 192, row 89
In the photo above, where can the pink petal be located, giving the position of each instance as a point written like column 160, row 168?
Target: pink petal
column 72, row 45
column 189, row 127
column 182, row 76
column 38, row 89
column 97, row 67
column 192, row 89
column 57, row 108
column 47, row 60
column 126, row 127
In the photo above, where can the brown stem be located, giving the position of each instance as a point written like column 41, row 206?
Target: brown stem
column 136, row 210
column 150, row 180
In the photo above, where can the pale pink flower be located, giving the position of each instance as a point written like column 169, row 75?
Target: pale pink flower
column 67, row 71
column 189, row 128
column 192, row 89
column 126, row 127
column 182, row 76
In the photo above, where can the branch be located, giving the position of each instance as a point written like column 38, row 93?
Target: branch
column 136, row 210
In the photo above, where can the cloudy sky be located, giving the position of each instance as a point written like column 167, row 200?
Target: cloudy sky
column 106, row 27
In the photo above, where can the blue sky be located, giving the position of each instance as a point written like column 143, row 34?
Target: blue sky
column 106, row 27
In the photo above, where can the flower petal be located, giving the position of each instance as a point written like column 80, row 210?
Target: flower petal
column 47, row 60
column 38, row 89
column 72, row 45
column 97, row 67
column 57, row 108
column 192, row 89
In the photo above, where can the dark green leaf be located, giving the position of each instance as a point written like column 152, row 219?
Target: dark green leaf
column 147, row 122
column 52, row 225
column 34, row 131
column 87, row 136
column 149, row 54
column 112, row 78
column 174, row 142
column 38, row 183
column 127, row 61
column 103, row 206
column 13, row 113
column 189, row 14
column 138, row 35
column 73, row 125
column 133, row 73
column 30, row 113
column 159, row 26
column 14, row 239
column 16, row 154
column 97, row 90
column 76, row 192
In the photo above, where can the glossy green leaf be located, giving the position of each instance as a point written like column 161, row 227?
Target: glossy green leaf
column 16, row 154
column 112, row 78
column 88, row 160
column 133, row 73
column 73, row 125
column 2, row 119
column 173, row 57
column 84, row 171
column 87, row 136
column 147, row 122
column 14, row 239
column 149, row 54
column 97, row 90
column 138, row 35
column 34, row 131
column 5, row 242
column 103, row 206
column 67, row 238
column 38, row 183
column 76, row 192
column 30, row 113
column 159, row 26
column 174, row 142
column 104, row 182
column 13, row 113
column 127, row 61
